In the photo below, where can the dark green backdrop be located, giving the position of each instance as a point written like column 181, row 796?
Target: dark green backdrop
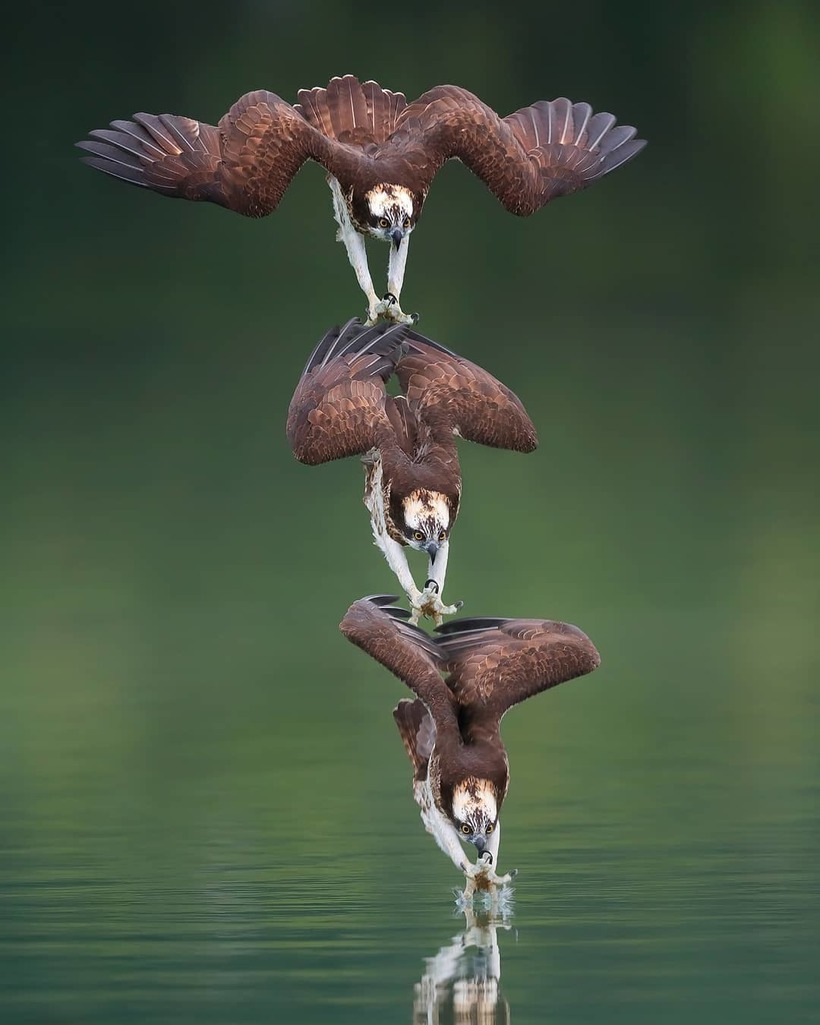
column 172, row 579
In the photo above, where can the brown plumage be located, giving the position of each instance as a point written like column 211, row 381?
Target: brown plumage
column 452, row 730
column 341, row 408
column 363, row 136
column 381, row 155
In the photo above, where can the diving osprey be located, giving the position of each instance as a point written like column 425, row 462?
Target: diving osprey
column 451, row 731
column 381, row 155
column 413, row 480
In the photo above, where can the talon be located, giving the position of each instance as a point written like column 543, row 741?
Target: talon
column 432, row 584
column 414, row 318
column 457, row 604
column 389, row 298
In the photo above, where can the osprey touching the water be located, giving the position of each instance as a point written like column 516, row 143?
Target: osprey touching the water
column 380, row 152
column 407, row 442
column 451, row 731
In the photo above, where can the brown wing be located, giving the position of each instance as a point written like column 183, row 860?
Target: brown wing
column 479, row 407
column 496, row 663
column 338, row 408
column 352, row 112
column 549, row 149
column 245, row 164
column 408, row 652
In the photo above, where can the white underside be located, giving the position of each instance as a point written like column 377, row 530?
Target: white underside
column 439, row 826
column 427, row 602
column 448, row 840
column 392, row 550
column 354, row 243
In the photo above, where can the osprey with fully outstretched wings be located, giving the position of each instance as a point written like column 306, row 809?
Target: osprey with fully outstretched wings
column 451, row 731
column 341, row 407
column 380, row 152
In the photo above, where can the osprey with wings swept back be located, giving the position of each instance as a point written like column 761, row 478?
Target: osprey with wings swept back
column 451, row 731
column 341, row 407
column 381, row 154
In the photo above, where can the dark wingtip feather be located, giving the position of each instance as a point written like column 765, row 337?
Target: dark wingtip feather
column 396, row 612
column 622, row 153
column 616, row 137
column 415, row 336
column 354, row 337
column 385, row 603
column 116, row 170
column 327, row 340
column 459, row 626
column 382, row 600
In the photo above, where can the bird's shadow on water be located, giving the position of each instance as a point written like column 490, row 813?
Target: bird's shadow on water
column 462, row 982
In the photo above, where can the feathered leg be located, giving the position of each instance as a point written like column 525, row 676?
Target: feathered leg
column 480, row 875
column 356, row 252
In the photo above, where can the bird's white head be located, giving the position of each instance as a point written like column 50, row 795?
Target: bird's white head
column 426, row 516
column 475, row 811
column 391, row 213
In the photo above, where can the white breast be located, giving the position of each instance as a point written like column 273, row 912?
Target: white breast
column 374, row 499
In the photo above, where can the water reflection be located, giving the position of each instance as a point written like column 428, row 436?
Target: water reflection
column 462, row 982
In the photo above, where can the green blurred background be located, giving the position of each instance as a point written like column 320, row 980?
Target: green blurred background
column 186, row 737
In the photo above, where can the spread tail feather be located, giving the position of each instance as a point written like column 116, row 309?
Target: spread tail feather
column 418, row 733
column 351, row 111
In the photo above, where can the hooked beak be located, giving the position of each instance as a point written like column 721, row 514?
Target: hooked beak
column 432, row 548
column 397, row 235
column 480, row 845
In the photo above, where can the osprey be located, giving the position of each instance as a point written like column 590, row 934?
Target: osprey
column 451, row 731
column 341, row 407
column 380, row 153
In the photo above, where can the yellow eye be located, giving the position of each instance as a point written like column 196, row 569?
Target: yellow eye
column 465, row 828
column 406, row 223
column 490, row 828
column 383, row 222
column 417, row 535
column 443, row 536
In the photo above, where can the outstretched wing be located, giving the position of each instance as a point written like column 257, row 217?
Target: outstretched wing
column 440, row 384
column 407, row 651
column 338, row 408
column 245, row 164
column 549, row 149
column 496, row 663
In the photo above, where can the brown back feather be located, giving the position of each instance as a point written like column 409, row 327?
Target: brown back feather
column 404, row 423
